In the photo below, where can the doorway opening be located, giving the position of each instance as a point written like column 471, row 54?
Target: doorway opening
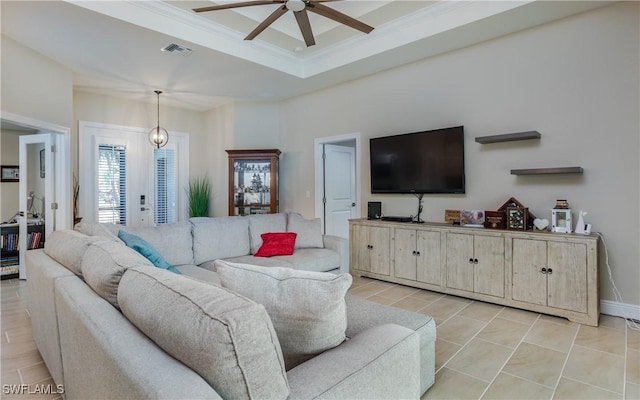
column 43, row 191
column 337, row 181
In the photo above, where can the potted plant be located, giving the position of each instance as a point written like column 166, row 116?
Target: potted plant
column 198, row 192
column 76, row 194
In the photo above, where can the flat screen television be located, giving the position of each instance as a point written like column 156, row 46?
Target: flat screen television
column 421, row 162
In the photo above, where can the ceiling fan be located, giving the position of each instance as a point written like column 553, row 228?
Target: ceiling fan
column 299, row 8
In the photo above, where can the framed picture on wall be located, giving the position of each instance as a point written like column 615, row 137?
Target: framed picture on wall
column 42, row 163
column 10, row 173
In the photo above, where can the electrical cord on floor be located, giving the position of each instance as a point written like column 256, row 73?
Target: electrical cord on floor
column 631, row 322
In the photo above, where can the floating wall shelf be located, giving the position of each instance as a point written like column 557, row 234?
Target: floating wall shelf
column 547, row 171
column 508, row 137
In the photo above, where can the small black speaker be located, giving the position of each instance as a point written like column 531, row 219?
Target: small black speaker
column 374, row 210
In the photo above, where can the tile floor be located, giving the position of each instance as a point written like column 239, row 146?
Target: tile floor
column 483, row 351
column 486, row 351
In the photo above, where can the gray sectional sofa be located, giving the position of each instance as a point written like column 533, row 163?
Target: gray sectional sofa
column 111, row 325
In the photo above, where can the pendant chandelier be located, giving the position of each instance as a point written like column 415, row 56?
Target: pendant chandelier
column 158, row 136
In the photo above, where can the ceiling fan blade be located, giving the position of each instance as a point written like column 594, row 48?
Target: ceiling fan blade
column 305, row 27
column 270, row 20
column 237, row 5
column 337, row 16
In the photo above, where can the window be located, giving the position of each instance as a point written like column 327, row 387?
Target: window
column 112, row 184
column 165, row 178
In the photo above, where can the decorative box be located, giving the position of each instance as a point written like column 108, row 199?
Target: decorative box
column 494, row 219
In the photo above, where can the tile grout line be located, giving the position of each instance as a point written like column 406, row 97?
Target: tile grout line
column 592, row 385
column 511, row 355
column 527, row 380
column 566, row 361
column 467, row 342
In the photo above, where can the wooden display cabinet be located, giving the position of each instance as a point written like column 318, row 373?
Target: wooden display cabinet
column 253, row 181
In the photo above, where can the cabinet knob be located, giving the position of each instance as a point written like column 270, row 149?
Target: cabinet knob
column 543, row 270
column 417, row 253
column 471, row 261
column 549, row 271
column 413, row 252
column 475, row 260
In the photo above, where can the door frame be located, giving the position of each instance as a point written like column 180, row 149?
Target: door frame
column 319, row 172
column 62, row 155
column 62, row 179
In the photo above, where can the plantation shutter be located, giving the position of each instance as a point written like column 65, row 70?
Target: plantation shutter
column 165, row 179
column 112, row 184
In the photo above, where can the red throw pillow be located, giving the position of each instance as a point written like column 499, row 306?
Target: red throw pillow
column 277, row 244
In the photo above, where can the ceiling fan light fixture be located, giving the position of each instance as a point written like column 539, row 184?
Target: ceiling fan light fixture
column 295, row 5
column 158, row 136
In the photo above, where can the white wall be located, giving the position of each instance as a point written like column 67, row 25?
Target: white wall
column 575, row 81
column 35, row 86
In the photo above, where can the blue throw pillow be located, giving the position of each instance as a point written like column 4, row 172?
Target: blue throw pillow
column 149, row 252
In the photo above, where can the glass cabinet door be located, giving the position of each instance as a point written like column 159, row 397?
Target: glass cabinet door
column 253, row 181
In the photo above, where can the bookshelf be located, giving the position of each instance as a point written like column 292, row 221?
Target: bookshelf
column 10, row 251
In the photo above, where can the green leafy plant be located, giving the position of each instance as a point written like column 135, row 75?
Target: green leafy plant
column 198, row 192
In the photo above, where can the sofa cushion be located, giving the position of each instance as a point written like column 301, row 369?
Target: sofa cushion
column 262, row 261
column 103, row 265
column 364, row 314
column 263, row 223
column 173, row 241
column 108, row 231
column 149, row 252
column 276, row 244
column 307, row 308
column 68, row 247
column 201, row 274
column 318, row 260
column 226, row 338
column 219, row 237
column 309, row 231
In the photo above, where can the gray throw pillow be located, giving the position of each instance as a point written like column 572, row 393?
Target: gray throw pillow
column 308, row 309
column 224, row 337
column 103, row 265
column 68, row 247
column 309, row 231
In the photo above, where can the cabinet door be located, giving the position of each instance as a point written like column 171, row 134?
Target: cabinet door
column 529, row 283
column 404, row 251
column 459, row 269
column 358, row 242
column 567, row 283
column 379, row 257
column 428, row 261
column 488, row 274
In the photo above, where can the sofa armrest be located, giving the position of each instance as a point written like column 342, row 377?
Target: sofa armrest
column 380, row 363
column 341, row 246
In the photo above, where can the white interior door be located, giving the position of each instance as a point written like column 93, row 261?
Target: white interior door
column 339, row 188
column 36, row 188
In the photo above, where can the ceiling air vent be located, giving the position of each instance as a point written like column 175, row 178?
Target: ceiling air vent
column 177, row 49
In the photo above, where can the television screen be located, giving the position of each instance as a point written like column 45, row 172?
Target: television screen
column 421, row 162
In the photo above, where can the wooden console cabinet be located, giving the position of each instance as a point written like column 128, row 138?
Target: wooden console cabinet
column 550, row 273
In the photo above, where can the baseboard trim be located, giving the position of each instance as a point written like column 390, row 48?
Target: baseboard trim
column 623, row 310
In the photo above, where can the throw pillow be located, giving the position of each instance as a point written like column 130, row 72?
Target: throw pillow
column 224, row 337
column 308, row 309
column 149, row 252
column 309, row 231
column 276, row 244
